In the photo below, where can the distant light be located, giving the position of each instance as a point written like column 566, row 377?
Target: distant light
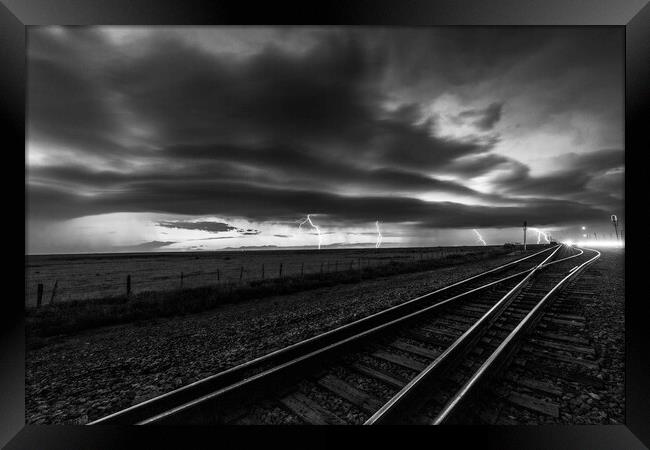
column 584, row 227
column 568, row 242
column 584, row 235
column 594, row 243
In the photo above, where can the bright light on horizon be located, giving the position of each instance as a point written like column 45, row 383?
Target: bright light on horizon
column 594, row 243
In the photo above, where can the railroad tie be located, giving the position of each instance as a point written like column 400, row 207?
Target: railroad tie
column 440, row 331
column 419, row 336
column 415, row 349
column 400, row 360
column 541, row 386
column 310, row 411
column 562, row 358
column 379, row 374
column 564, row 347
column 348, row 392
column 534, row 404
column 562, row 337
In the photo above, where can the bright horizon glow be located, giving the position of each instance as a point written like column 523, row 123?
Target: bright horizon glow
column 594, row 243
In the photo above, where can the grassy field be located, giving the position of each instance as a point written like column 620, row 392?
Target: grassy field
column 75, row 315
column 81, row 277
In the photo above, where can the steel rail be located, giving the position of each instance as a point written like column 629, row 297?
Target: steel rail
column 409, row 391
column 259, row 377
column 524, row 325
column 145, row 410
column 175, row 415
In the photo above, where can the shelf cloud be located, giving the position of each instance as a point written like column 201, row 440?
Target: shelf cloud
column 439, row 128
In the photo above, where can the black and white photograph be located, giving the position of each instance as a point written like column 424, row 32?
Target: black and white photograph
column 325, row 225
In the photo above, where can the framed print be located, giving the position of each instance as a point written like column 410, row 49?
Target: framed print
column 370, row 221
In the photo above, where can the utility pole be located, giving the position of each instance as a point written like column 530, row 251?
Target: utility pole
column 615, row 223
column 525, row 226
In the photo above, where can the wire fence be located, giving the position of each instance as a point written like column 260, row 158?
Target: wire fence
column 82, row 277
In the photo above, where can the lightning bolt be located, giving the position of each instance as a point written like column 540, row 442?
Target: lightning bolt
column 540, row 233
column 378, row 235
column 308, row 219
column 480, row 238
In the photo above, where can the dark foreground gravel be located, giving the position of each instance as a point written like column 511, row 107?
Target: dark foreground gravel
column 605, row 317
column 81, row 378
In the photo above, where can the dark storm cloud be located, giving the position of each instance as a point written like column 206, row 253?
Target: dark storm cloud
column 481, row 164
column 299, row 167
column 212, row 227
column 273, row 204
column 485, row 118
column 69, row 103
column 318, row 94
column 144, row 247
column 575, row 173
column 327, row 101
column 277, row 134
column 202, row 107
column 581, row 64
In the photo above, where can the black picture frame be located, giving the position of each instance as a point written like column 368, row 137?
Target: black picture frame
column 633, row 15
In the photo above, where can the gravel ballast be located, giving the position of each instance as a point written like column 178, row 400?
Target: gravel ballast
column 605, row 318
column 80, row 378
column 585, row 394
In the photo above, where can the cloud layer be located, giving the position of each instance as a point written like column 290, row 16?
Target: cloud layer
column 432, row 128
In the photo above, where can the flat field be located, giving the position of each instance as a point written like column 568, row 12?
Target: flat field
column 78, row 377
column 88, row 276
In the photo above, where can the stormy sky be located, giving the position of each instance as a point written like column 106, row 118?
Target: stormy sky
column 186, row 138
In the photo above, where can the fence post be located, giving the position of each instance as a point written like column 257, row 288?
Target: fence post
column 241, row 273
column 359, row 264
column 128, row 285
column 321, row 268
column 280, row 270
column 181, row 279
column 302, row 270
column 262, row 271
column 336, row 266
column 39, row 295
column 56, row 283
column 218, row 276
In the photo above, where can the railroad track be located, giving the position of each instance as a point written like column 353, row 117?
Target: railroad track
column 558, row 364
column 457, row 379
column 373, row 370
